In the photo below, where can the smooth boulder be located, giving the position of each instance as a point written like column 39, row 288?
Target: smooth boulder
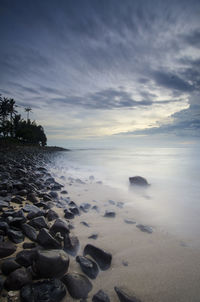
column 7, row 248
column 100, row 256
column 100, row 296
column 45, row 239
column 88, row 266
column 50, row 263
column 78, row 285
column 138, row 180
column 17, row 279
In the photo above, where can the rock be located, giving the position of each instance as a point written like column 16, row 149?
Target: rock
column 74, row 210
column 78, row 285
column 52, row 215
column 22, row 192
column 43, row 291
column 9, row 265
column 93, row 236
column 124, row 297
column 16, row 222
column 145, row 228
column 100, row 256
column 26, row 257
column 64, row 192
column 59, row 226
column 15, row 236
column 4, row 226
column 54, row 194
column 111, row 202
column 109, row 214
column 29, row 245
column 33, row 198
column 100, row 296
column 17, row 199
column 120, row 204
column 138, row 180
column 17, row 279
column 50, row 263
column 7, row 248
column 29, row 231
column 88, row 266
column 3, row 204
column 85, row 224
column 85, row 207
column 33, row 211
column 71, row 244
column 38, row 222
column 45, row 239
column 68, row 214
column 129, row 221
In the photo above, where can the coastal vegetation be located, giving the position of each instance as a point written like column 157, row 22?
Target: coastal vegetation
column 13, row 128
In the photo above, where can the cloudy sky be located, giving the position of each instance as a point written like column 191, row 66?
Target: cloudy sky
column 104, row 70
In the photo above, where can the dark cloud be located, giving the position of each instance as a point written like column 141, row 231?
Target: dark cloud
column 171, row 81
column 78, row 53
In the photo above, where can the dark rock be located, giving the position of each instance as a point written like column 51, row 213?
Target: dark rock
column 109, row 214
column 50, row 263
column 33, row 198
column 17, row 199
column 100, row 296
column 38, row 222
column 3, row 204
column 17, row 222
column 33, row 211
column 138, row 180
column 64, row 192
column 7, row 248
column 124, row 297
column 29, row 245
column 47, row 197
column 85, row 207
column 74, row 210
column 95, row 208
column 61, row 226
column 4, row 226
column 54, row 194
column 129, row 221
column 15, row 236
column 9, row 265
column 3, row 193
column 145, row 228
column 85, row 224
column 45, row 239
column 26, row 257
column 88, row 266
column 52, row 215
column 78, row 285
column 43, row 291
column 29, row 231
column 71, row 244
column 100, row 256
column 93, row 236
column 125, row 263
column 22, row 192
column 68, row 214
column 111, row 202
column 17, row 279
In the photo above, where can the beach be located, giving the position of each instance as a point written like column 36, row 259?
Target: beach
column 148, row 262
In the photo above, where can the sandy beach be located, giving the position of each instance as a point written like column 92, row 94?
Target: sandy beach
column 155, row 265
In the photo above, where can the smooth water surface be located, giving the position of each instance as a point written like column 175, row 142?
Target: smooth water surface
column 171, row 202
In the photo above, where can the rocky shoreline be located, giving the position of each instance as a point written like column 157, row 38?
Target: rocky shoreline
column 37, row 245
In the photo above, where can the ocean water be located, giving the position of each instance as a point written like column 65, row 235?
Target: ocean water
column 171, row 202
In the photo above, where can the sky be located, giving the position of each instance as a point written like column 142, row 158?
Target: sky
column 99, row 72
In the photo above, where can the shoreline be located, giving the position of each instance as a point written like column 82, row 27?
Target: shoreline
column 155, row 266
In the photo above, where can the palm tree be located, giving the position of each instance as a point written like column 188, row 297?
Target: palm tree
column 12, row 111
column 28, row 109
column 4, row 112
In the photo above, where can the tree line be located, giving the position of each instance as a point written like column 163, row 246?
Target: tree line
column 14, row 127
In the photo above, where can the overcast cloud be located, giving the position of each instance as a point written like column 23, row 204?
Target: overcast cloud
column 98, row 68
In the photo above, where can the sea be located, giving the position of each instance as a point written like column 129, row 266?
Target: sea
column 172, row 200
